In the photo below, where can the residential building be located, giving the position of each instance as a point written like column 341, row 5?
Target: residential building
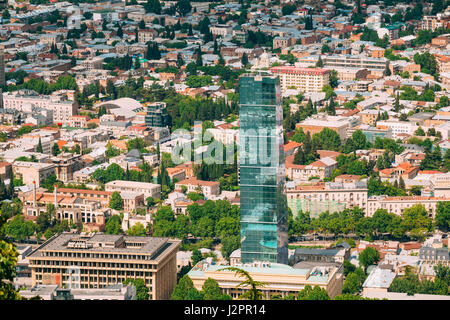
column 33, row 171
column 398, row 204
column 208, row 188
column 328, row 196
column 145, row 188
column 303, row 79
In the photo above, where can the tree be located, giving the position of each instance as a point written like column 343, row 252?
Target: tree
column 229, row 244
column 368, row 257
column 253, row 293
column 113, row 225
column 319, row 63
column 182, row 288
column 351, row 284
column 442, row 217
column 348, row 267
column 39, row 147
column 333, row 79
column 137, row 230
column 8, row 260
column 141, row 289
column 19, row 229
column 211, row 290
column 196, row 256
column 244, row 59
column 316, row 293
column 183, row 7
column 116, row 201
column 419, row 132
column 55, row 149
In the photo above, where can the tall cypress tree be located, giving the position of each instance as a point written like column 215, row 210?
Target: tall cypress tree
column 11, row 192
column 39, row 147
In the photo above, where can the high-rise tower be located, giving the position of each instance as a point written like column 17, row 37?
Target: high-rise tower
column 264, row 212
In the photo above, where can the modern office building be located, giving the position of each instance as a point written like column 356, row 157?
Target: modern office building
column 156, row 115
column 262, row 171
column 89, row 261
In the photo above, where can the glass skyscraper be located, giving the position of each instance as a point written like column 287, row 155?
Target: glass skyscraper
column 264, row 212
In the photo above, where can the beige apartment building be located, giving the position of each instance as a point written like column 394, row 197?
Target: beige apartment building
column 33, row 171
column 329, row 196
column 146, row 35
column 221, row 30
column 280, row 279
column 316, row 123
column 303, row 79
column 92, row 63
column 24, row 100
column 145, row 188
column 398, row 204
column 355, row 61
column 99, row 260
column 320, row 169
column 209, row 188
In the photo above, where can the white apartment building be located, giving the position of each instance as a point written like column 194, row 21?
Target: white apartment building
column 145, row 188
column 146, row 35
column 355, row 61
column 398, row 127
column 225, row 136
column 221, row 30
column 303, row 79
column 25, row 100
column 398, row 204
column 93, row 63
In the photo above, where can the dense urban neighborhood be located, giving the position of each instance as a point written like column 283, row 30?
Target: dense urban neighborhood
column 134, row 134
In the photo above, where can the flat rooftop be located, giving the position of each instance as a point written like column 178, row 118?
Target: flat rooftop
column 98, row 243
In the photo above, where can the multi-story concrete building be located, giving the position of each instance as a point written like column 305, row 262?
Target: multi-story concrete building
column 100, row 260
column 319, row 169
column 281, row 279
column 33, row 171
column 316, row 123
column 96, row 195
column 329, row 196
column 146, row 35
column 303, row 79
column 398, row 204
column 66, row 164
column 145, row 188
column 221, row 30
column 355, row 61
column 208, row 188
column 431, row 23
column 398, row 127
column 24, row 100
column 92, row 63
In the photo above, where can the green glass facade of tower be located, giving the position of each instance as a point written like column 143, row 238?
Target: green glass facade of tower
column 264, row 212
column 157, row 115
